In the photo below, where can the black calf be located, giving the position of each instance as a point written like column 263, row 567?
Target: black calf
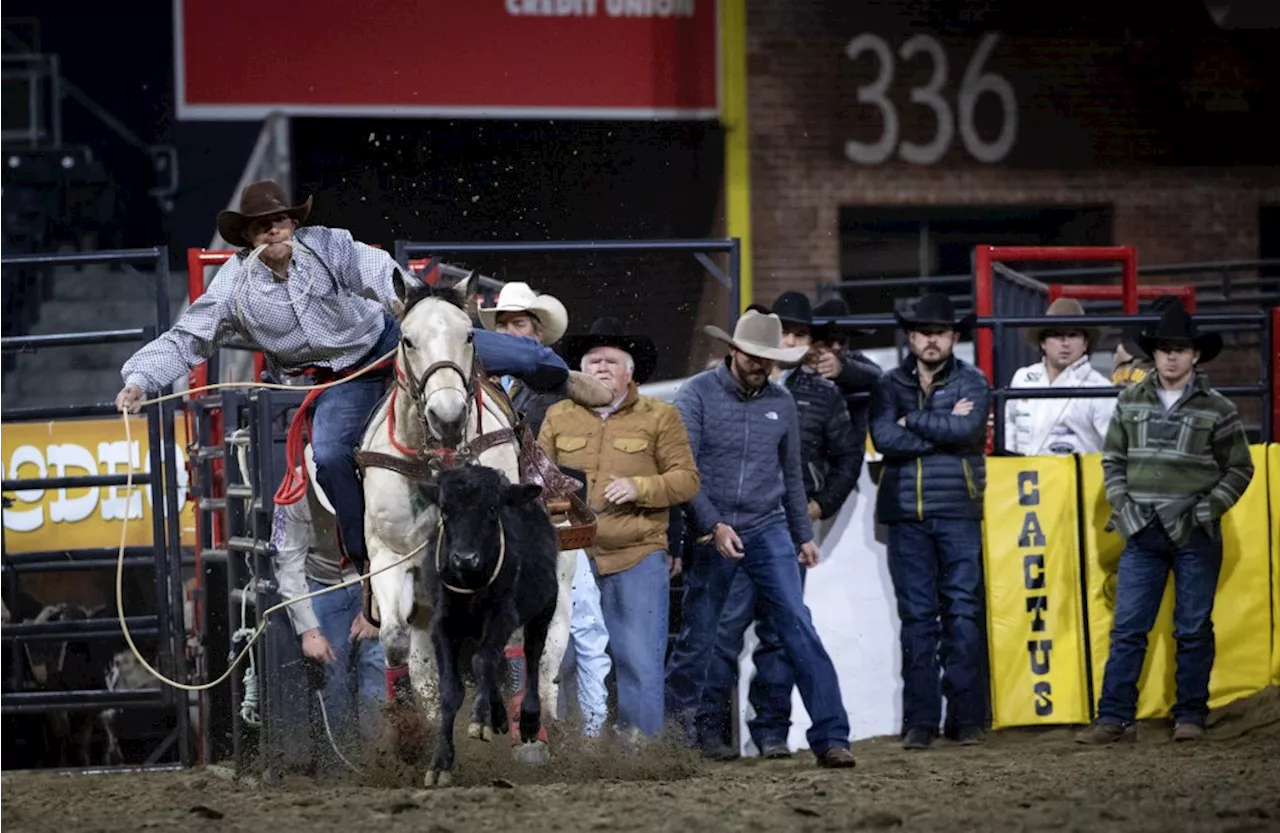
column 492, row 568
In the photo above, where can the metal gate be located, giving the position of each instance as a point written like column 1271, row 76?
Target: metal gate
column 161, row 627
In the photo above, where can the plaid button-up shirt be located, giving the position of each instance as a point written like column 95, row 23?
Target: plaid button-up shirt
column 329, row 313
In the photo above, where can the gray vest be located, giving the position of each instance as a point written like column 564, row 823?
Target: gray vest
column 323, row 558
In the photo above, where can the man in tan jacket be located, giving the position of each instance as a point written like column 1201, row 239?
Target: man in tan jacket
column 638, row 464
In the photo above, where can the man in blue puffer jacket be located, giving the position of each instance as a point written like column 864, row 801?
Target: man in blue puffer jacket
column 928, row 419
column 751, row 507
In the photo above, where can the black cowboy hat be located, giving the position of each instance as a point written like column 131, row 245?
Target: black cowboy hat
column 1177, row 327
column 259, row 199
column 837, row 308
column 760, row 308
column 934, row 310
column 1129, row 338
column 609, row 332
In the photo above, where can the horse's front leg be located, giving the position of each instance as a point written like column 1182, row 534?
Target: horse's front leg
column 422, row 666
column 557, row 634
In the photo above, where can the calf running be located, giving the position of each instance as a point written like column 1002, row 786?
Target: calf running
column 491, row 569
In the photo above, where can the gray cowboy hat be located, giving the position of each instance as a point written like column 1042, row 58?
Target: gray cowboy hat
column 1177, row 327
column 258, row 199
column 1065, row 306
column 759, row 335
column 935, row 310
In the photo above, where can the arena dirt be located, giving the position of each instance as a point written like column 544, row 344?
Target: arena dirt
column 1021, row 780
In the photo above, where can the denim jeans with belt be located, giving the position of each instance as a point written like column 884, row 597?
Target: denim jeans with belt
column 1145, row 564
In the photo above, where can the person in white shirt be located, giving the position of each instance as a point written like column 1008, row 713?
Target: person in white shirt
column 1059, row 426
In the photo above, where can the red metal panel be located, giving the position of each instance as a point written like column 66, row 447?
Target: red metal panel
column 1094, row 292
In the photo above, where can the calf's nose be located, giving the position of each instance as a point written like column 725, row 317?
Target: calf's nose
column 467, row 560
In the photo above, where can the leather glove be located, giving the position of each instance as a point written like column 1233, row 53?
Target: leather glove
column 587, row 391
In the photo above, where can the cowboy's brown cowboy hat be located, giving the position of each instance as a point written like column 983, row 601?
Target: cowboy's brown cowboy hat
column 759, row 335
column 259, row 199
column 1065, row 306
column 609, row 332
column 1177, row 327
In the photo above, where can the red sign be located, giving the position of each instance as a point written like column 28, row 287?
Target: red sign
column 243, row 59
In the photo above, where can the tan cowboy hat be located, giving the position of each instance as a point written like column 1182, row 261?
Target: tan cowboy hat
column 259, row 199
column 1065, row 306
column 520, row 297
column 760, row 336
column 315, row 484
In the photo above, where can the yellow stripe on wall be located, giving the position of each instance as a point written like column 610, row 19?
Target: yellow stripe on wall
column 733, row 117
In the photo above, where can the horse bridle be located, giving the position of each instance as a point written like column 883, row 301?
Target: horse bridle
column 416, row 387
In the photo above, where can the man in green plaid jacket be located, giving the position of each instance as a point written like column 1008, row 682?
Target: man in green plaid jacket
column 1176, row 458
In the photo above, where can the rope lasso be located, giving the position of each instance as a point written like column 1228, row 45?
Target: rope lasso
column 259, row 630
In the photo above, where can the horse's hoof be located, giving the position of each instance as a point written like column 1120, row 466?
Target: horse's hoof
column 535, row 753
column 475, row 731
column 438, row 778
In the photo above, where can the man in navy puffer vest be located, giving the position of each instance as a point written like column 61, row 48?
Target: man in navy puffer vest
column 928, row 419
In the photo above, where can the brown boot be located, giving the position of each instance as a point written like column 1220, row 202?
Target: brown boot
column 1188, row 732
column 1100, row 733
column 836, row 757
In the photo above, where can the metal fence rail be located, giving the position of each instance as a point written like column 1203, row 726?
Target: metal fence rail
column 165, row 626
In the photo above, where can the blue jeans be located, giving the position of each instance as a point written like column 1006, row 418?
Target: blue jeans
column 337, row 424
column 588, row 648
column 636, row 604
column 770, row 690
column 770, row 564
column 936, row 566
column 1144, row 568
column 352, row 704
column 342, row 412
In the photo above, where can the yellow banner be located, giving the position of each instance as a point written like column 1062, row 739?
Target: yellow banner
column 64, row 519
column 1241, row 610
column 1034, row 620
column 1273, row 488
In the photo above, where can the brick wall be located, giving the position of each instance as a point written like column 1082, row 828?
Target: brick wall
column 1164, row 131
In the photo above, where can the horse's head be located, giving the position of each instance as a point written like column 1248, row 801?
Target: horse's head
column 436, row 358
column 472, row 539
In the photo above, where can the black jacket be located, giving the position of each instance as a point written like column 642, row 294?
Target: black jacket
column 531, row 405
column 830, row 454
column 934, row 467
column 857, row 379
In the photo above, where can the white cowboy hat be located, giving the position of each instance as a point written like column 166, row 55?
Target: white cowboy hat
column 520, row 297
column 315, row 484
column 760, row 336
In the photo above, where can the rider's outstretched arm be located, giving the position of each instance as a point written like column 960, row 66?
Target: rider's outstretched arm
column 537, row 366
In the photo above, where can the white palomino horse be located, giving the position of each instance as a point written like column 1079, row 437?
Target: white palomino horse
column 438, row 409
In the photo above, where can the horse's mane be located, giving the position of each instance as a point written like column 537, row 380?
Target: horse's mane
column 417, row 292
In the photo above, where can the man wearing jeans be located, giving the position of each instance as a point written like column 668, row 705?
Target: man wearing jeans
column 1176, row 458
column 636, row 458
column 331, row 627
column 745, row 435
column 319, row 303
column 928, row 419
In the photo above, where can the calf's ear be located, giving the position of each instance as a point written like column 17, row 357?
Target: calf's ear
column 522, row 494
column 429, row 490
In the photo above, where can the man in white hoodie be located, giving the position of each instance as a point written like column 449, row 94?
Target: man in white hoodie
column 1059, row 426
